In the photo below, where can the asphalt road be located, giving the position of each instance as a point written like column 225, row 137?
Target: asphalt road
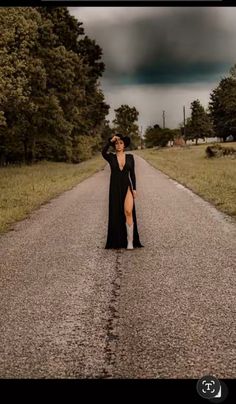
column 71, row 309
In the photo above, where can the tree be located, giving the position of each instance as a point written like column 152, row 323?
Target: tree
column 157, row 136
column 222, row 106
column 106, row 131
column 20, row 69
column 199, row 126
column 125, row 123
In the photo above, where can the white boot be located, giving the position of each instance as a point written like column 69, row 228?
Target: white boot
column 130, row 232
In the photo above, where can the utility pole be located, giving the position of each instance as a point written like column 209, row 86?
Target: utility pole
column 184, row 120
column 163, row 117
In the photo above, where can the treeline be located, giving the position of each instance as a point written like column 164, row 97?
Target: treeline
column 51, row 103
column 217, row 120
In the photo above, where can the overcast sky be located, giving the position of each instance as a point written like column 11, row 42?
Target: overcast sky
column 161, row 58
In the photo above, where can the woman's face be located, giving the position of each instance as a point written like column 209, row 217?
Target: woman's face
column 119, row 145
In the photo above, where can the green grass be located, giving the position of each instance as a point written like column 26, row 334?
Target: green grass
column 25, row 188
column 213, row 179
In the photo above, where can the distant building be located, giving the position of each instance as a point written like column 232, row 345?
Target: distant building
column 205, row 140
column 179, row 141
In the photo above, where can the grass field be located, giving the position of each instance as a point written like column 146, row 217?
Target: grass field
column 212, row 179
column 25, row 188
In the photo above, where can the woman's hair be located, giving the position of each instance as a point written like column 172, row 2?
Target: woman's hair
column 119, row 135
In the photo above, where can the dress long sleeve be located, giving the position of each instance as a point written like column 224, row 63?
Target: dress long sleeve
column 106, row 155
column 132, row 174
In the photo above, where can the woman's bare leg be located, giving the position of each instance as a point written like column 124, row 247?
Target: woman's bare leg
column 128, row 207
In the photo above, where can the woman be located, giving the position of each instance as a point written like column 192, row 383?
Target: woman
column 122, row 222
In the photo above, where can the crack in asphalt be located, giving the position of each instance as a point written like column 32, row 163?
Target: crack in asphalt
column 112, row 334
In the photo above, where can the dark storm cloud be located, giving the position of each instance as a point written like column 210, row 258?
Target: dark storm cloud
column 164, row 73
column 169, row 45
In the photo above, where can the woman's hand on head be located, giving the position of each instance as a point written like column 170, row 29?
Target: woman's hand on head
column 114, row 138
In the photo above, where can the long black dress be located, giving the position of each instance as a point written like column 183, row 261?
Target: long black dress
column 119, row 183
